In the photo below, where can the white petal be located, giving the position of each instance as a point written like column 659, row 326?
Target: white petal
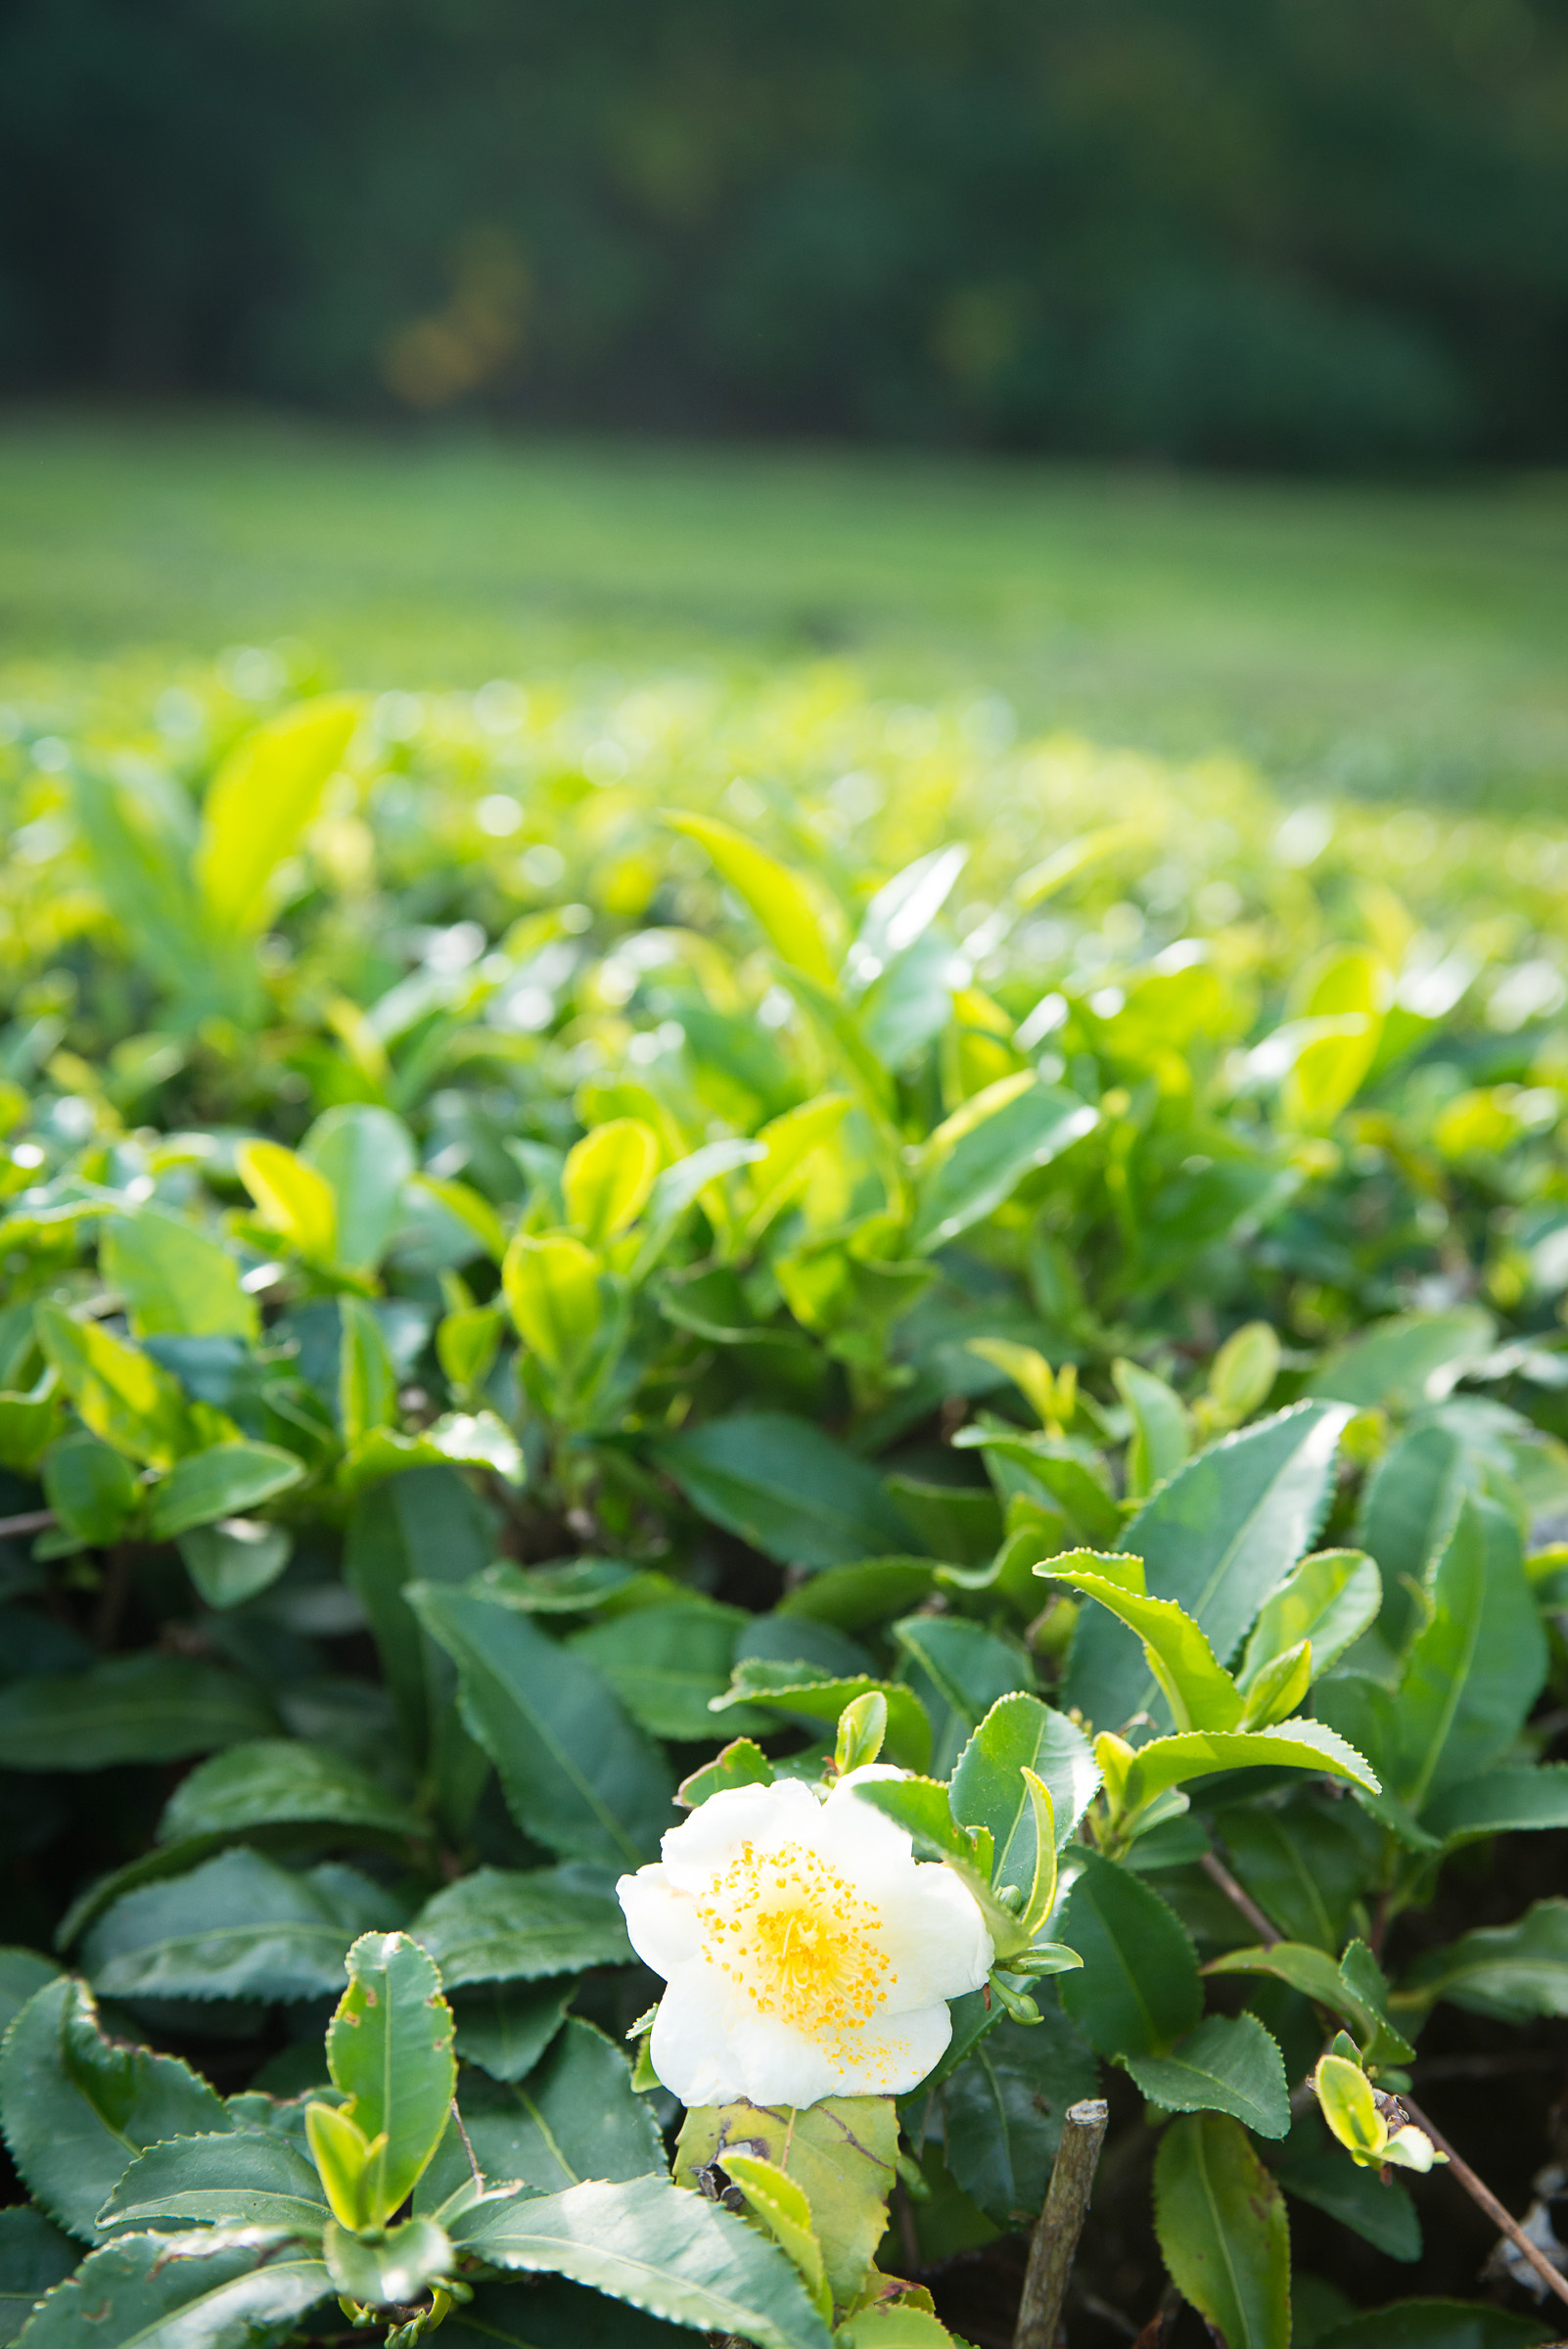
column 662, row 1920
column 937, row 1938
column 696, row 1850
column 710, row 2046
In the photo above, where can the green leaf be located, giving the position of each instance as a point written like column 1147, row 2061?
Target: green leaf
column 667, row 2251
column 516, row 1925
column 1511, row 1971
column 21, row 1972
column 1406, row 1516
column 423, row 1526
column 235, row 1559
column 962, row 1523
column 1228, row 2065
column 577, row 1776
column 773, row 893
column 959, row 1671
column 989, row 1788
column 277, row 1781
column 176, row 1281
column 221, row 1481
column 574, row 2116
column 1376, row 2208
column 367, row 1378
column 1320, row 1977
column 1290, row 1745
column 1329, row 1598
column 1436, row 2325
column 366, row 1157
column 1243, row 1372
column 35, row 2257
column 92, row 1489
column 783, row 2209
column 548, row 2313
column 988, row 1161
column 1060, row 1471
column 1408, row 1361
column 212, row 2289
column 1003, row 2112
column 76, row 2106
column 841, row 2152
column 391, row 2269
column 146, row 1708
column 1501, row 1802
column 236, row 1927
column 552, row 1292
column 390, row 2050
column 505, row 2027
column 785, row 1487
column 1479, row 1665
column 264, row 794
column 738, row 1764
column 795, row 1689
column 920, row 1806
column 290, row 1199
column 1221, row 2225
column 898, row 2325
column 238, row 2177
column 608, row 1177
column 1162, row 1433
column 120, row 1392
column 1305, row 1862
column 1200, row 1693
column 1138, row 1992
column 1219, row 1538
column 666, row 1664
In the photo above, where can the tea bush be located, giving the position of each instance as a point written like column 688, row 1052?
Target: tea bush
column 572, row 1254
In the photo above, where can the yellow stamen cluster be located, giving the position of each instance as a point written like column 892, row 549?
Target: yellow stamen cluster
column 800, row 1940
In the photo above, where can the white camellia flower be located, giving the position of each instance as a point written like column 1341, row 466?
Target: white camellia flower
column 808, row 1953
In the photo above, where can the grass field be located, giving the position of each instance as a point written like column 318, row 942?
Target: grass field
column 1394, row 641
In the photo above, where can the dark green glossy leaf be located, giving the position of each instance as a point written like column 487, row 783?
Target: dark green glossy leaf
column 237, row 1927
column 1477, row 1668
column 1408, row 1361
column 21, row 1972
column 579, row 1776
column 1511, row 1972
column 507, row 1925
column 666, row 1664
column 851, row 1596
column 146, row 1708
column 1003, row 2111
column 278, row 1780
column 92, row 1489
column 76, row 2108
column 236, row 1559
column 959, row 1671
column 1221, row 2225
column 213, row 2290
column 1406, row 1516
column 785, row 1689
column 223, row 1481
column 35, row 2256
column 1501, row 1802
column 1228, row 2065
column 989, row 1789
column 552, row 2314
column 239, row 2178
column 785, row 1487
column 423, row 1526
column 395, row 2269
column 505, row 2027
column 574, row 2116
column 1139, row 1990
column 1437, row 2324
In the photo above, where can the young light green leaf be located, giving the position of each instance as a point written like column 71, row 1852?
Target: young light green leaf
column 1330, row 1599
column 1162, row 1432
column 841, row 2152
column 391, row 2269
column 367, row 1380
column 174, row 1280
column 1194, row 1753
column 774, row 895
column 290, row 1199
column 741, row 1762
column 988, row 1161
column 774, row 2197
column 788, row 1156
column 608, row 1177
column 1242, row 1374
column 1278, row 1687
column 223, row 1481
column 262, row 797
column 120, row 1392
column 862, row 1726
column 552, row 1289
column 1200, row 1693
column 665, row 2251
column 1229, row 2064
column 1216, row 1540
column 1221, row 2220
column 390, row 2050
column 345, row 2162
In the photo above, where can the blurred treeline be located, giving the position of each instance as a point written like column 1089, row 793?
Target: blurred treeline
column 1310, row 232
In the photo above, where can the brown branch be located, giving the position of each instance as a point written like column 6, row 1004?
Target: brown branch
column 1217, row 1869
column 1060, row 2224
column 1480, row 2193
column 31, row 1521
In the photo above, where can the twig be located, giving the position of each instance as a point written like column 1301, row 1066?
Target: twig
column 1060, row 2224
column 31, row 1521
column 1217, row 1869
column 1482, row 2194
